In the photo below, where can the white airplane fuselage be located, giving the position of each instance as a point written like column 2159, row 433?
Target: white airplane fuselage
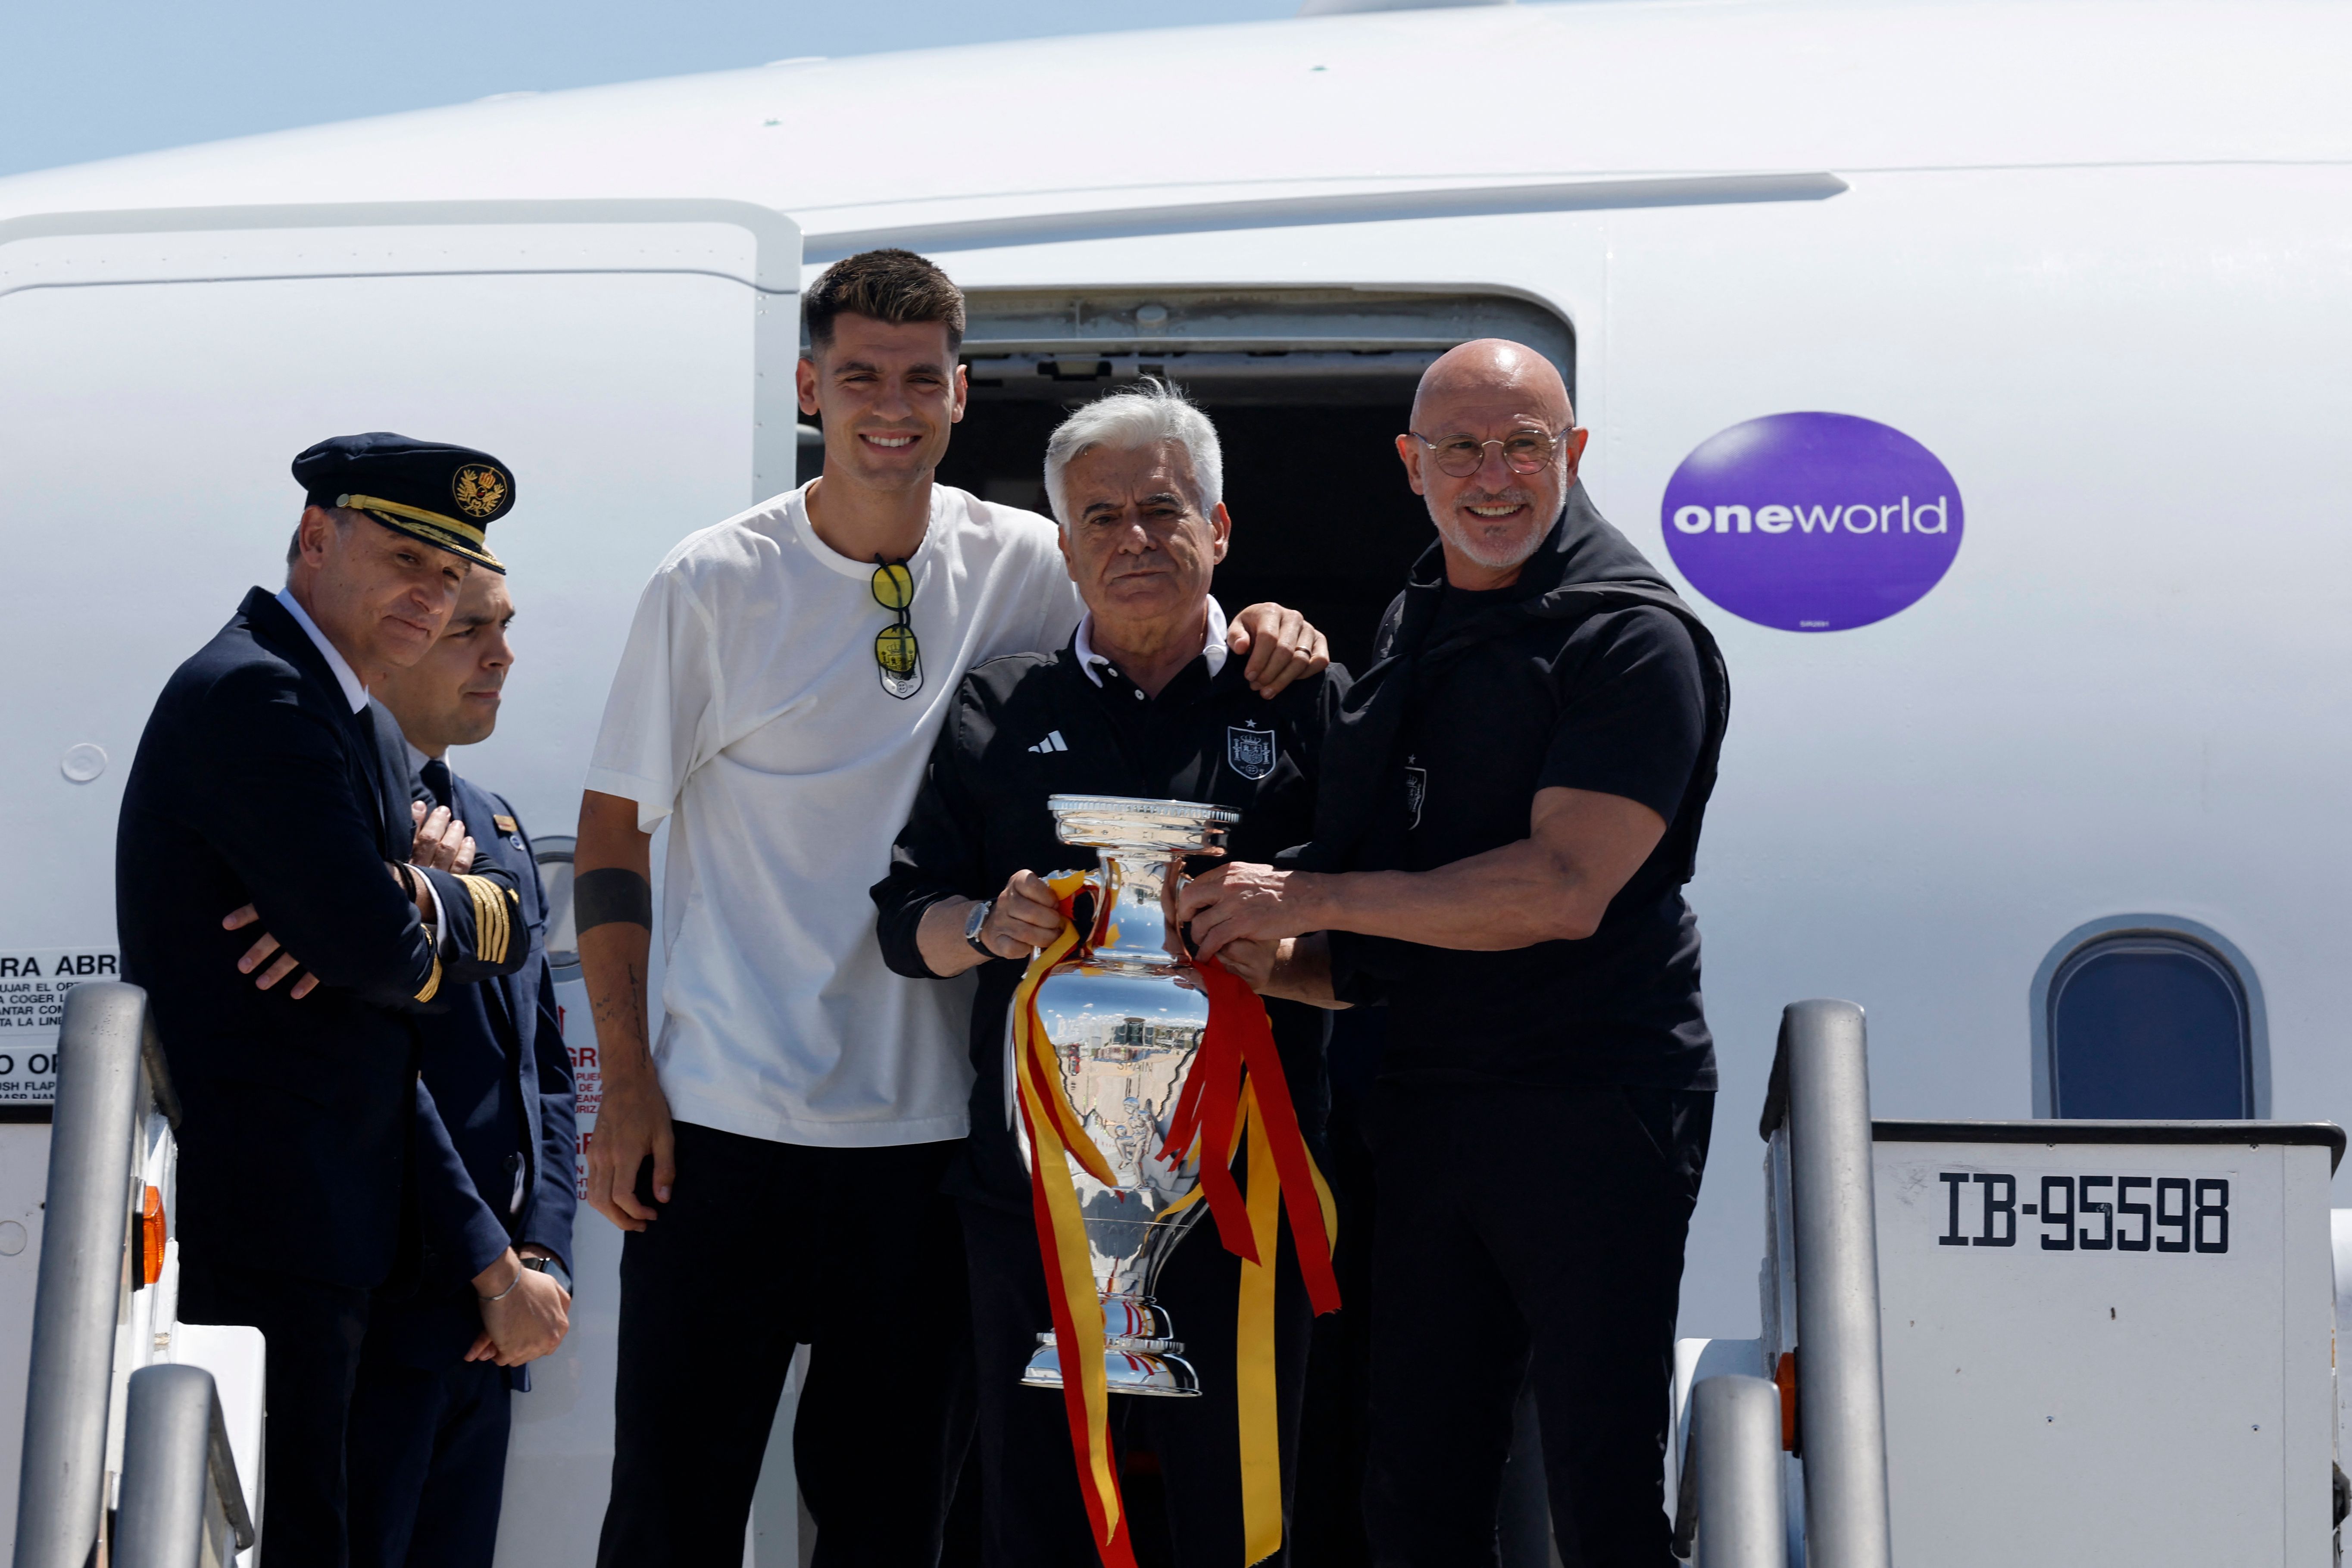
column 2094, row 259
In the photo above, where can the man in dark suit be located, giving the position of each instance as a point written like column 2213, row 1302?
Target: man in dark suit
column 430, row 1415
column 268, row 793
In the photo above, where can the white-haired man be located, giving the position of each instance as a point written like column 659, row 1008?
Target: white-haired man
column 1141, row 700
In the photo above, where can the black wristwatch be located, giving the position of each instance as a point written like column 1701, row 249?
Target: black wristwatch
column 973, row 921
column 552, row 1269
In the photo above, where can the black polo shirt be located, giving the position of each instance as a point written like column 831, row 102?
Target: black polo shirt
column 1613, row 705
column 1032, row 725
column 1588, row 674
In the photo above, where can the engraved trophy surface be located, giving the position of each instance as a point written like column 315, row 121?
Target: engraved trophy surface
column 1126, row 1014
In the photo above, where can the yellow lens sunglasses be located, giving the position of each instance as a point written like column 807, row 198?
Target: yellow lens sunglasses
column 896, row 653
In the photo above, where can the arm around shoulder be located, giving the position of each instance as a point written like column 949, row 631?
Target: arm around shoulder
column 937, row 862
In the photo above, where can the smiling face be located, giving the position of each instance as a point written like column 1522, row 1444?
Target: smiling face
column 888, row 395
column 1491, row 521
column 380, row 597
column 1138, row 546
column 450, row 697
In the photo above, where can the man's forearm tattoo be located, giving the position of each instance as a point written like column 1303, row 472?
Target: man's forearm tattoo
column 621, row 1009
column 612, row 894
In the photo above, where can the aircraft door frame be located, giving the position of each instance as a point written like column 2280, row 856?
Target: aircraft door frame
column 514, row 241
column 775, row 281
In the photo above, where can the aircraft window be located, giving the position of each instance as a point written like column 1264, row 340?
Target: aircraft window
column 2149, row 1024
column 553, row 854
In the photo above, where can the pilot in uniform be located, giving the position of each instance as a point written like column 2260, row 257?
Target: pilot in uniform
column 428, row 1426
column 266, row 777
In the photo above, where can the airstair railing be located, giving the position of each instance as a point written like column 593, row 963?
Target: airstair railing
column 1821, row 1086
column 182, row 1504
column 1729, row 1509
column 101, row 1097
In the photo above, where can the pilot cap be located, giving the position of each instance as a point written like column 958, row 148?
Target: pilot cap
column 445, row 496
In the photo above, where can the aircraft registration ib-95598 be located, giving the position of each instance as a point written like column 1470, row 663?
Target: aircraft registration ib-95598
column 1976, row 370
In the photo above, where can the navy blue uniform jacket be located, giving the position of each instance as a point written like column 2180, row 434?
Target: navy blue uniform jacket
column 495, row 1165
column 255, row 782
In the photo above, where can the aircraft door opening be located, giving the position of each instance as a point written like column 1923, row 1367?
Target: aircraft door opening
column 1309, row 389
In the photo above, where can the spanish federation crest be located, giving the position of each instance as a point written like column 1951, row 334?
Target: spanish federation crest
column 1416, row 791
column 1250, row 752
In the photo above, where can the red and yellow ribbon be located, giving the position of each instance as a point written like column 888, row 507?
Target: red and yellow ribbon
column 1054, row 1132
column 1283, row 1180
column 1235, row 1096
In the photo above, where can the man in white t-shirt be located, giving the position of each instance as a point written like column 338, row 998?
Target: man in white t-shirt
column 776, row 1153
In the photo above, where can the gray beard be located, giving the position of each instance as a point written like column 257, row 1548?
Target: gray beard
column 1517, row 556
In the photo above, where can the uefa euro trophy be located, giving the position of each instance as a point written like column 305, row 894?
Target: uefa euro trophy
column 1125, row 1014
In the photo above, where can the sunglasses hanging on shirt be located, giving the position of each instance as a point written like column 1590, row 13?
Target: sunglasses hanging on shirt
column 896, row 653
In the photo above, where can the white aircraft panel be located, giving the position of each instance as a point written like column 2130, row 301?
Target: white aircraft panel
column 146, row 432
column 2137, row 1375
column 2122, row 697
column 145, row 429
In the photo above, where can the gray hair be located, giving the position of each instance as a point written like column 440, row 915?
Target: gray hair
column 1143, row 415
column 342, row 516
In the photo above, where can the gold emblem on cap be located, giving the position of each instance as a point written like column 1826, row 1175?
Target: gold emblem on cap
column 480, row 490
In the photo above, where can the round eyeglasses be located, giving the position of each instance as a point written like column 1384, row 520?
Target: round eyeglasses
column 1525, row 451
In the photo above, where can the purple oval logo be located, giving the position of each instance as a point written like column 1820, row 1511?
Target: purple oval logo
column 1812, row 522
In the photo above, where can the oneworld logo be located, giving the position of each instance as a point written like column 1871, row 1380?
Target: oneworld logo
column 1812, row 522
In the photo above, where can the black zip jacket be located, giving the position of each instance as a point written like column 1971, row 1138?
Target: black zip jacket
column 1032, row 725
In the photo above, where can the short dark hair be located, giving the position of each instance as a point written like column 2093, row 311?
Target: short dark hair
column 894, row 286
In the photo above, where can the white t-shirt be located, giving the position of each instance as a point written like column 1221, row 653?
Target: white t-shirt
column 749, row 709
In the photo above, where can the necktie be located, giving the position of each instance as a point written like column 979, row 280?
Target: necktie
column 436, row 774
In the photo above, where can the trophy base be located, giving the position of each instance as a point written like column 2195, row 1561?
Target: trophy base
column 1155, row 1373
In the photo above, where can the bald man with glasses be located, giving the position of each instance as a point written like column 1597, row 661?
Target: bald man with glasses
column 1510, row 805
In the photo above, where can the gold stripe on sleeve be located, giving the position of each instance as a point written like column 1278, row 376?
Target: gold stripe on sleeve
column 498, row 911
column 489, row 919
column 505, row 926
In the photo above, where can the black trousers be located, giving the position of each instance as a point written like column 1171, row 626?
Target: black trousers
column 429, row 1464
column 1033, row 1513
column 764, row 1246
column 314, row 1333
column 1526, row 1233
column 1332, row 1448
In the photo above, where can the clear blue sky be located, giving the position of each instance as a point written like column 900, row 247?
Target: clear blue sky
column 96, row 78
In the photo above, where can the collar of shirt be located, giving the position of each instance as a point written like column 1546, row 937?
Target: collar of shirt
column 936, row 524
column 354, row 692
column 1212, row 646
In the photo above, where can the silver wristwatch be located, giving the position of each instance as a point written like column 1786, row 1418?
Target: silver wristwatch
column 973, row 921
column 551, row 1268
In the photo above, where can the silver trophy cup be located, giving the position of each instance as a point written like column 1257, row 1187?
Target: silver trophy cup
column 1126, row 1013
